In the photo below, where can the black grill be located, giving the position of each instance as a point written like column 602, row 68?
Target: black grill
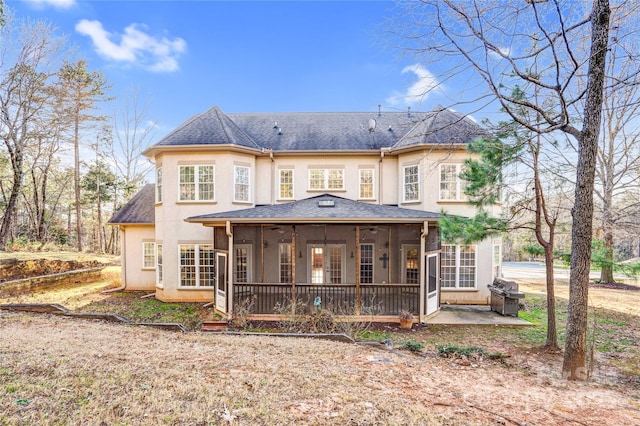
column 505, row 297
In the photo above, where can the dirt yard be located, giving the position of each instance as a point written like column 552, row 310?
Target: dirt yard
column 57, row 370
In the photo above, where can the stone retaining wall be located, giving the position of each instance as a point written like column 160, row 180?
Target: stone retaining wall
column 26, row 285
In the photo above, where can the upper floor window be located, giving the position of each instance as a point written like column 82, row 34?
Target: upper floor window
column 451, row 185
column 286, row 184
column 159, row 185
column 411, row 179
column 326, row 179
column 366, row 184
column 197, row 183
column 241, row 183
column 148, row 255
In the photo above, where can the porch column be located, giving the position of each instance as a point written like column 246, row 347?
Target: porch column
column 293, row 270
column 358, row 270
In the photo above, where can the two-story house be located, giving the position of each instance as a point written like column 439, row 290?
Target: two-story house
column 336, row 209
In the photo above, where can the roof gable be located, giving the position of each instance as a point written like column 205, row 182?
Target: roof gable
column 139, row 210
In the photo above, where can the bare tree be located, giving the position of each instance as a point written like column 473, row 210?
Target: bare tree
column 500, row 42
column 27, row 54
column 83, row 90
column 132, row 134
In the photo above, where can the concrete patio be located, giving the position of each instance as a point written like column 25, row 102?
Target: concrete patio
column 473, row 315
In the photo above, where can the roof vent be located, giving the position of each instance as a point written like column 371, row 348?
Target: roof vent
column 275, row 125
column 409, row 112
column 326, row 203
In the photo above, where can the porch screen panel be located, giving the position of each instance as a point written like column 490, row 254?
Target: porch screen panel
column 448, row 266
column 285, row 263
column 187, row 266
column 207, row 265
column 317, row 265
column 242, row 265
column 335, row 265
column 412, row 266
column 366, row 263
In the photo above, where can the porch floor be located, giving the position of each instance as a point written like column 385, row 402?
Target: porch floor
column 473, row 315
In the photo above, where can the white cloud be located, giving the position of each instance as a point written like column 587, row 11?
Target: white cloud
column 135, row 46
column 420, row 90
column 58, row 4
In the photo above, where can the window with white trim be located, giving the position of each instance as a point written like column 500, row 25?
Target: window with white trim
column 286, row 263
column 159, row 185
column 451, row 185
column 148, row 255
column 196, row 265
column 286, row 184
column 458, row 266
column 366, row 184
column 159, row 265
column 242, row 263
column 366, row 263
column 326, row 179
column 241, row 183
column 411, row 181
column 197, row 183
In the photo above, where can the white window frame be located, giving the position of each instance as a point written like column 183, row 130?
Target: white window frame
column 406, row 185
column 326, row 180
column 159, row 185
column 458, row 266
column 148, row 258
column 372, row 264
column 239, row 184
column 361, row 184
column 249, row 270
column 197, row 264
column 287, row 248
column 196, row 183
column 459, row 183
column 159, row 266
column 282, row 184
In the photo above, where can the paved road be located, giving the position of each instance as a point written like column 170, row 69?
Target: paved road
column 535, row 270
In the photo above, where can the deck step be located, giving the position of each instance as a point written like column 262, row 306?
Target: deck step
column 215, row 326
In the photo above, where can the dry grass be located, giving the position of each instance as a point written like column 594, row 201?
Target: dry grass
column 61, row 371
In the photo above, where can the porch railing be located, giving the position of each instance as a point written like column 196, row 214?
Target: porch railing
column 375, row 299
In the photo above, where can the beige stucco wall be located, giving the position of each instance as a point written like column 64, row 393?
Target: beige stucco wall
column 171, row 229
column 133, row 274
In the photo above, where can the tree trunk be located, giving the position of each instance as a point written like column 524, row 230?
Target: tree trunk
column 575, row 357
column 552, row 332
column 7, row 219
column 76, row 180
column 606, row 273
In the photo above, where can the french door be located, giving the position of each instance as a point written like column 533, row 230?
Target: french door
column 326, row 264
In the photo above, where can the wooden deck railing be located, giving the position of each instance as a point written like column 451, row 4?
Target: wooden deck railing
column 375, row 299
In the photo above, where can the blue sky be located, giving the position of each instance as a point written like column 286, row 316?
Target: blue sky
column 187, row 56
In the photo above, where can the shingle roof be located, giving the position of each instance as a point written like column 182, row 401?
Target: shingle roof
column 139, row 210
column 212, row 127
column 324, row 131
column 335, row 209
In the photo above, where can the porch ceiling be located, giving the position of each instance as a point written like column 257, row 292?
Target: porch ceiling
column 324, row 208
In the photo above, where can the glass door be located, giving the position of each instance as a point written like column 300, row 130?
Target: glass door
column 221, row 282
column 432, row 287
column 326, row 264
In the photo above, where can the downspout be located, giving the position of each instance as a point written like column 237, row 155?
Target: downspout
column 229, row 270
column 123, row 265
column 273, row 177
column 380, row 176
